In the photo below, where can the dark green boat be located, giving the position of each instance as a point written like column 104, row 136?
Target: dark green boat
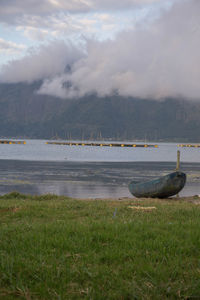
column 162, row 187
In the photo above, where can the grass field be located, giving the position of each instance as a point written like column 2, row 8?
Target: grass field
column 59, row 248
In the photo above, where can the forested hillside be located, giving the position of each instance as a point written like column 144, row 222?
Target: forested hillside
column 25, row 113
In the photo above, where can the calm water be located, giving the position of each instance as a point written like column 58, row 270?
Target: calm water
column 37, row 150
column 90, row 172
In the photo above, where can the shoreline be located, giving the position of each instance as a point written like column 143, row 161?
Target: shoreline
column 174, row 199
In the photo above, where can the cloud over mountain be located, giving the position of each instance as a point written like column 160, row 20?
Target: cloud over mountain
column 157, row 59
column 46, row 62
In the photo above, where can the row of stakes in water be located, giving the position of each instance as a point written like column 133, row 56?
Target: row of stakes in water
column 98, row 144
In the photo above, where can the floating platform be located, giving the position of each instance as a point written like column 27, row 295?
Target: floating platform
column 12, row 142
column 189, row 145
column 102, row 144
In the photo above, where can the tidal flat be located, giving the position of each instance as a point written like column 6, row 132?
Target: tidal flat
column 56, row 247
column 88, row 179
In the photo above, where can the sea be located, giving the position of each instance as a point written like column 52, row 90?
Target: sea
column 37, row 167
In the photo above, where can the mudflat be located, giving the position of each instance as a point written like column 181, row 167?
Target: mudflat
column 88, row 179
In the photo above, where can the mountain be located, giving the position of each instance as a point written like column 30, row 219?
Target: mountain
column 25, row 113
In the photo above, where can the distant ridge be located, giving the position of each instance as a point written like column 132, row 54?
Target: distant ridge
column 25, row 113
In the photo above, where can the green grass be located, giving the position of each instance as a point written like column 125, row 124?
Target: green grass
column 58, row 248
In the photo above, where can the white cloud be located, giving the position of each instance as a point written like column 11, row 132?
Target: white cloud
column 35, row 33
column 8, row 46
column 14, row 10
column 40, row 20
column 158, row 60
column 47, row 62
column 54, row 86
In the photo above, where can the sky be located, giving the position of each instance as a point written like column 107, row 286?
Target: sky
column 139, row 48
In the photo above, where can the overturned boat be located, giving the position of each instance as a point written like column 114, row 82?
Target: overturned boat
column 162, row 187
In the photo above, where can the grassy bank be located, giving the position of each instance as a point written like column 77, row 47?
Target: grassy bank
column 59, row 248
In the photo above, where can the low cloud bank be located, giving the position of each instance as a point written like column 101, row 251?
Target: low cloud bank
column 156, row 60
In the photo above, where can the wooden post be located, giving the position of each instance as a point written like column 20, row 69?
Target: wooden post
column 178, row 165
column 178, row 161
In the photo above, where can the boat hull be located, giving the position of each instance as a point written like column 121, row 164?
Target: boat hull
column 162, row 187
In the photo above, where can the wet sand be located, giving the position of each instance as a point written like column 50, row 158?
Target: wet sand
column 88, row 179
